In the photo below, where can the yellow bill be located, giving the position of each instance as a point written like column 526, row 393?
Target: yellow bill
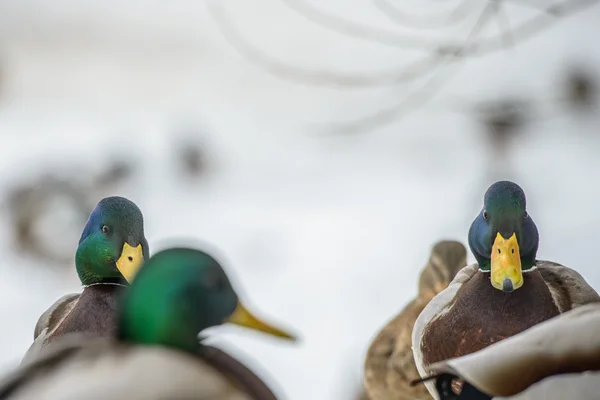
column 506, row 273
column 130, row 261
column 242, row 317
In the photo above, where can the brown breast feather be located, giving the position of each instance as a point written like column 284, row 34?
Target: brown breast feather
column 481, row 315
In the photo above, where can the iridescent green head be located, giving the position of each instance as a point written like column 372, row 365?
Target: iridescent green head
column 503, row 237
column 177, row 294
column 112, row 246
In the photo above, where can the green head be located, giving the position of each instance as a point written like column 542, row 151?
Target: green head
column 503, row 237
column 177, row 294
column 112, row 246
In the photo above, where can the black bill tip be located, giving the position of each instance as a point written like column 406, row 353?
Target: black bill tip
column 507, row 286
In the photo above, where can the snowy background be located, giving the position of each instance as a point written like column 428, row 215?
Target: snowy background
column 324, row 233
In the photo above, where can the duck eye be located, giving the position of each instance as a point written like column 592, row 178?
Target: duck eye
column 485, row 215
column 214, row 281
column 526, row 215
column 220, row 285
column 105, row 229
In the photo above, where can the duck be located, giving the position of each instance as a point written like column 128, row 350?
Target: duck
column 111, row 250
column 555, row 360
column 507, row 291
column 389, row 367
column 155, row 352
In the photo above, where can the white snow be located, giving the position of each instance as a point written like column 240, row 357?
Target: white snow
column 325, row 234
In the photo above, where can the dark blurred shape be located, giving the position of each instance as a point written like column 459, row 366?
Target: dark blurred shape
column 192, row 159
column 29, row 202
column 117, row 172
column 581, row 89
column 503, row 120
column 190, row 153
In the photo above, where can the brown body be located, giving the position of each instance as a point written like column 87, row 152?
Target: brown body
column 557, row 359
column 80, row 368
column 389, row 365
column 459, row 333
column 91, row 313
column 470, row 314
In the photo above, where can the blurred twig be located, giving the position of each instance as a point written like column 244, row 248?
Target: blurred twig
column 443, row 53
column 504, row 23
column 409, row 103
column 525, row 30
column 317, row 77
column 420, row 96
column 2, row 76
column 439, row 48
column 361, row 31
column 428, row 21
column 530, row 4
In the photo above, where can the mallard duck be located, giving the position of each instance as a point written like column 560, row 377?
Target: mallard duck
column 556, row 360
column 155, row 352
column 111, row 249
column 506, row 292
column 389, row 365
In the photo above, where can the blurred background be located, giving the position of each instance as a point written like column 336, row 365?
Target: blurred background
column 321, row 148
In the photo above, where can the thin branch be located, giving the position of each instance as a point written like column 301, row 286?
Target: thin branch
column 430, row 21
column 528, row 4
column 486, row 14
column 358, row 30
column 527, row 29
column 414, row 100
column 390, row 38
column 279, row 68
column 391, row 76
column 449, row 54
column 419, row 97
column 504, row 23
